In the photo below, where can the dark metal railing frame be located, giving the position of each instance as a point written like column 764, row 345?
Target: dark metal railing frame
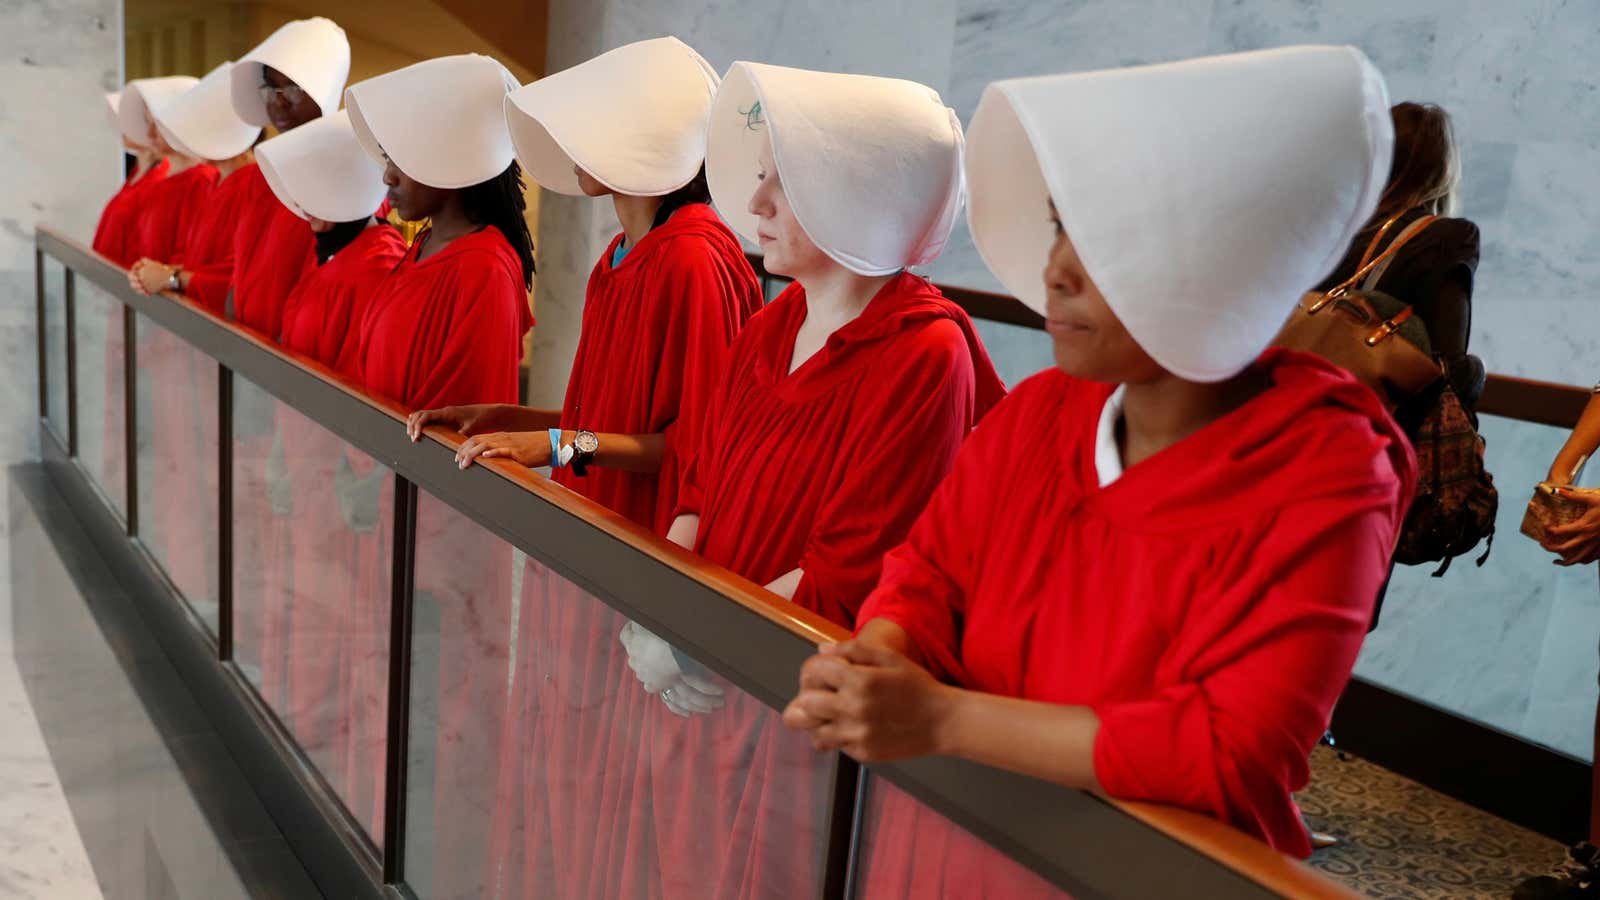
column 1079, row 842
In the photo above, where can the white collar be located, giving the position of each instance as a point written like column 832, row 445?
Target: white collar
column 1107, row 456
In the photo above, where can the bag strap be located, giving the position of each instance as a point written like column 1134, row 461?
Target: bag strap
column 1382, row 266
column 1381, row 259
column 1377, row 240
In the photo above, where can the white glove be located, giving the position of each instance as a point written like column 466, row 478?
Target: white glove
column 652, row 661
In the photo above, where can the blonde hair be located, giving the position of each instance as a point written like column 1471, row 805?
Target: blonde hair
column 1426, row 171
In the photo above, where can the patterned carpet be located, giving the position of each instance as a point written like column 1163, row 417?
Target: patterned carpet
column 1400, row 839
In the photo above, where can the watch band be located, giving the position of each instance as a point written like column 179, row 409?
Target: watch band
column 556, row 461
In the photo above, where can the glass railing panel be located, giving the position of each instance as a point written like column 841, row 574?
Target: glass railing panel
column 102, row 418
column 55, row 341
column 312, row 569
column 1510, row 644
column 909, row 850
column 176, row 390
column 578, row 781
column 460, row 679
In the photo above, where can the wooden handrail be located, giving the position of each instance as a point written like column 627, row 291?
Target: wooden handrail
column 1217, row 841
column 1238, row 851
column 1526, row 400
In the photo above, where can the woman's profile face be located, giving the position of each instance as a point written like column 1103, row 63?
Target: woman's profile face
column 785, row 247
column 590, row 185
column 155, row 142
column 412, row 199
column 1087, row 338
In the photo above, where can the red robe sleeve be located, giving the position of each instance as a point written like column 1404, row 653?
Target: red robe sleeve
column 209, row 283
column 698, row 333
column 1260, row 666
column 925, row 580
column 901, row 441
column 482, row 343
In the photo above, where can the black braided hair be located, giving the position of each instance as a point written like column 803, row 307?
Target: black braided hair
column 499, row 202
column 696, row 191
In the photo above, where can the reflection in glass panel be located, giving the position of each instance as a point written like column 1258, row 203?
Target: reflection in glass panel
column 101, row 418
column 910, row 851
column 460, row 671
column 1512, row 643
column 600, row 790
column 55, row 338
column 177, row 477
column 312, row 523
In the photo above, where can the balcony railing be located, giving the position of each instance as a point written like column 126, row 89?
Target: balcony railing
column 194, row 435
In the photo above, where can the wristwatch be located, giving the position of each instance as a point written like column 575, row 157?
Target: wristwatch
column 174, row 283
column 584, row 446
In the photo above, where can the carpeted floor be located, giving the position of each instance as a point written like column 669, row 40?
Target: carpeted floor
column 1400, row 839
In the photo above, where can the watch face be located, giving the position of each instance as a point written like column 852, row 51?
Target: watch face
column 586, row 442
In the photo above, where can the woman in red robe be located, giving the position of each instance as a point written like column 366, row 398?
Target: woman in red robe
column 841, row 408
column 333, row 634
column 201, row 124
column 200, row 267
column 113, row 234
column 163, row 213
column 444, row 328
column 1166, row 608
column 663, row 303
column 120, row 233
column 295, row 76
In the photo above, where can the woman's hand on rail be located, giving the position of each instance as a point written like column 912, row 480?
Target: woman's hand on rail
column 457, row 417
column 530, row 448
column 869, row 701
column 148, row 276
column 1579, row 542
column 874, row 703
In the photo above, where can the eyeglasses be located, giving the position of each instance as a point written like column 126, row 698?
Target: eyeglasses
column 291, row 93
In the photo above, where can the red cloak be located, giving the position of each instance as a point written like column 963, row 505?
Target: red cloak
column 207, row 244
column 168, row 208
column 656, row 333
column 823, row 469
column 116, row 233
column 323, row 312
column 272, row 249
column 448, row 329
column 1208, row 604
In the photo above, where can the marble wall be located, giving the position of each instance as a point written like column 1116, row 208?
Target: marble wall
column 1512, row 643
column 57, row 59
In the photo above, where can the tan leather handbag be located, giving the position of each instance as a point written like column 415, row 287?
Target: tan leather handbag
column 1371, row 334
